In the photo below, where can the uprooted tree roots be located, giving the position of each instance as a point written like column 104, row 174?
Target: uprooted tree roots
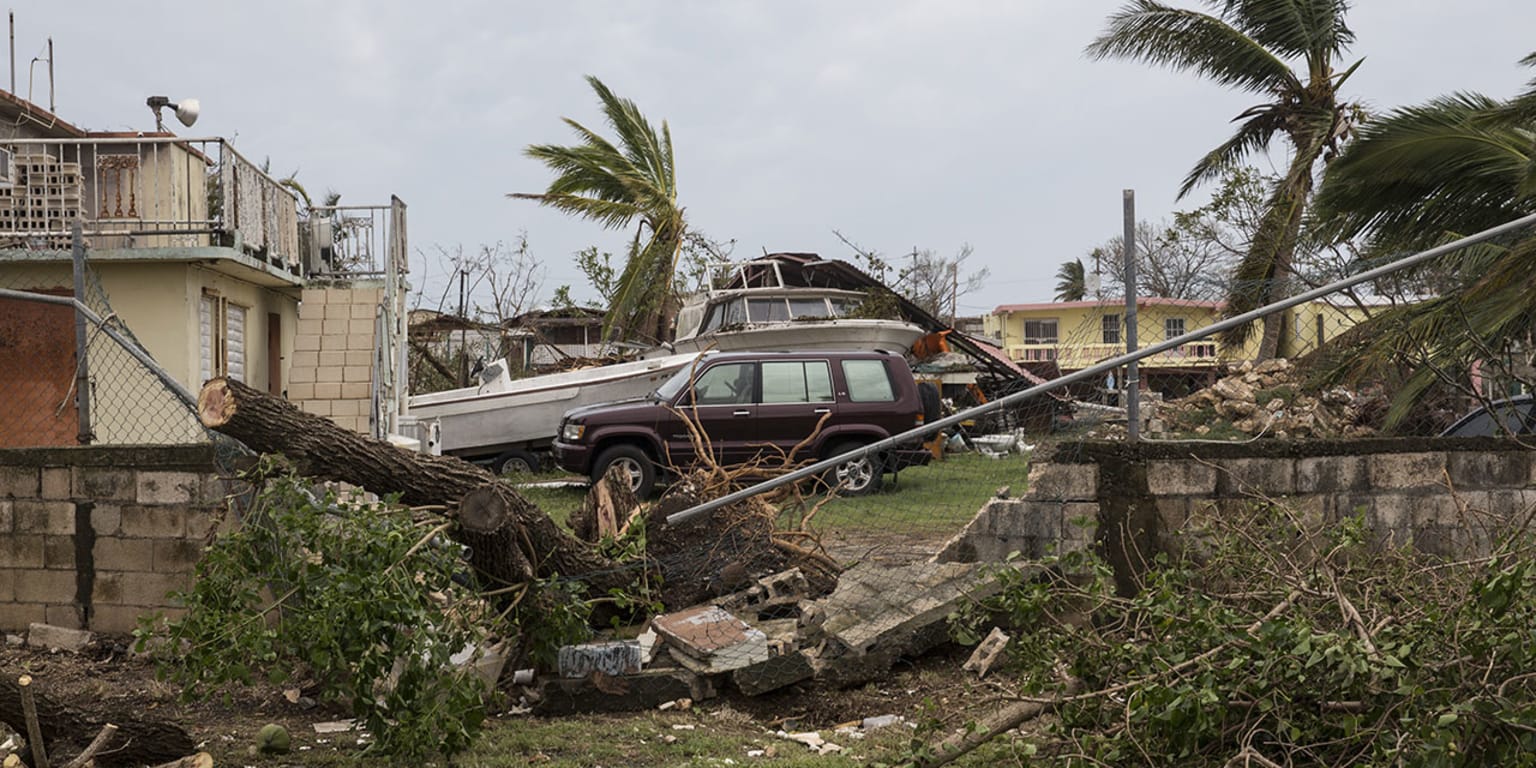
column 1274, row 639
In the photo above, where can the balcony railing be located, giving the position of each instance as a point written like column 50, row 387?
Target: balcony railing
column 145, row 192
column 1073, row 357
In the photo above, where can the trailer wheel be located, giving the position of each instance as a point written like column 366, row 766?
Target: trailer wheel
column 515, row 461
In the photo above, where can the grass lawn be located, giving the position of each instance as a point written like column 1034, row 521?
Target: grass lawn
column 922, row 500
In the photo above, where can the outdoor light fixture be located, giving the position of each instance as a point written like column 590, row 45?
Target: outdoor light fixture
column 186, row 111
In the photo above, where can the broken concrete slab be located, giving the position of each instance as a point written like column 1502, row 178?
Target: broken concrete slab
column 631, row 693
column 775, row 673
column 879, row 607
column 709, row 639
column 771, row 595
column 57, row 638
column 988, row 653
column 614, row 658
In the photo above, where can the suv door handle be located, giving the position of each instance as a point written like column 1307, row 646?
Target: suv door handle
column 741, row 413
column 822, row 410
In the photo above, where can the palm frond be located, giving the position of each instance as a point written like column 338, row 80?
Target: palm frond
column 1181, row 39
column 1310, row 29
column 1252, row 136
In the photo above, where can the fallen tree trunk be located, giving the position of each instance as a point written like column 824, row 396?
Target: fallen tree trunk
column 510, row 540
column 135, row 742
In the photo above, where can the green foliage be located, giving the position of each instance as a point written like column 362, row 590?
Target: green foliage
column 355, row 596
column 1280, row 637
column 877, row 304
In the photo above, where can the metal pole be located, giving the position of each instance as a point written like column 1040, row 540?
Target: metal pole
column 1132, row 376
column 82, row 366
column 1095, row 370
column 13, row 53
column 51, row 106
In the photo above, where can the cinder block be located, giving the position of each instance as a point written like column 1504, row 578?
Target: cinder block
column 1330, row 474
column 333, row 359
column 43, row 517
column 7, row 522
column 347, row 407
column 1393, row 471
column 337, row 312
column 120, row 554
column 309, row 358
column 160, row 487
column 68, row 617
column 313, row 297
column 356, row 373
column 20, row 482
column 306, row 341
column 310, row 327
column 57, row 482
column 302, row 390
column 356, row 326
column 359, row 357
column 1064, row 482
column 360, row 341
column 298, row 376
column 328, row 375
column 341, row 296
column 155, row 522
column 106, row 484
column 338, row 343
column 356, row 390
column 1487, row 469
column 1184, row 477
column 8, row 579
column 141, row 589
column 1261, row 477
column 16, row 617
column 364, row 311
column 333, row 326
column 327, row 390
column 203, row 523
column 176, row 555
column 119, row 619
column 46, row 587
column 106, row 519
column 59, row 553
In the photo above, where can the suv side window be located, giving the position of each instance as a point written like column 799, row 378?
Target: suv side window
column 808, row 381
column 868, row 381
column 726, row 384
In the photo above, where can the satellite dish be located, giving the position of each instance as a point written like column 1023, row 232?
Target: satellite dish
column 186, row 111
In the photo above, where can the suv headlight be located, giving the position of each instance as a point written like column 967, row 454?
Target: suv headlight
column 572, row 432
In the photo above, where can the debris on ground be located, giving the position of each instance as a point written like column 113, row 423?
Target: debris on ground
column 988, row 653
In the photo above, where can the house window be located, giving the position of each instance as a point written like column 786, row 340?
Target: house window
column 1173, row 327
column 1110, row 325
column 221, row 335
column 1040, row 331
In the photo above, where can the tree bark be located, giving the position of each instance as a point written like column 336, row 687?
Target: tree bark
column 510, row 540
column 136, row 742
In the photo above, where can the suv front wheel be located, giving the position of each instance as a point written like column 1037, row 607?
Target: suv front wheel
column 635, row 463
column 857, row 477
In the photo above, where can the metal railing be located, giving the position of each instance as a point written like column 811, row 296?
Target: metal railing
column 144, row 192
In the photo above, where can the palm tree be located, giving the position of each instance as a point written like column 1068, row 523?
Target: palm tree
column 1071, row 281
column 615, row 184
column 1421, row 176
column 1247, row 45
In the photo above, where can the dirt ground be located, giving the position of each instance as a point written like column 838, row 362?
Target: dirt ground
column 108, row 680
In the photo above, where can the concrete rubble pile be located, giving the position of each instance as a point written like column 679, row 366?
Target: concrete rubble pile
column 1268, row 399
column 769, row 636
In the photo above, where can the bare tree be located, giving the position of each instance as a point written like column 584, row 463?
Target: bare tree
column 927, row 279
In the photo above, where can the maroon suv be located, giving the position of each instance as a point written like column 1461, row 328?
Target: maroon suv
column 751, row 404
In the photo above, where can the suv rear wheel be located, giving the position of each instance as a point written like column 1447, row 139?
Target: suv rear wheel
column 635, row 463
column 857, row 477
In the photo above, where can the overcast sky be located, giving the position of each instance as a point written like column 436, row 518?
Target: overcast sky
column 900, row 124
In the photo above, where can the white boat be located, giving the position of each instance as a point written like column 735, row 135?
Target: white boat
column 508, row 421
column 759, row 310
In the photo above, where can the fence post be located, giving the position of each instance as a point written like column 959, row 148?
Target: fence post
column 1132, row 376
column 82, row 365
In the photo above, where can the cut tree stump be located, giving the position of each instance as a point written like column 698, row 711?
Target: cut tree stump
column 136, row 741
column 510, row 540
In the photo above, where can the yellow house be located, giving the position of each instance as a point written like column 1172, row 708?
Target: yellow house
column 196, row 251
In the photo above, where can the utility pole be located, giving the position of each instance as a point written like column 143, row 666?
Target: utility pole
column 463, row 347
column 1132, row 377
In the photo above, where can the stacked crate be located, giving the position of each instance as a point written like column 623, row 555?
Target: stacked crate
column 44, row 195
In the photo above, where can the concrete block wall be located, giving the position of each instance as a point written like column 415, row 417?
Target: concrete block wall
column 1440, row 496
column 95, row 537
column 332, row 370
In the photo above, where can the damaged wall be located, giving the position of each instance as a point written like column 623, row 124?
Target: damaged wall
column 94, row 537
column 1439, row 495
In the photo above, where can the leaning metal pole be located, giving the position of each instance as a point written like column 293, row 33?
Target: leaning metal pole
column 86, row 433
column 1132, row 372
column 1099, row 369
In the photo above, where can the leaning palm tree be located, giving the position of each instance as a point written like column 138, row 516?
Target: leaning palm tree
column 1247, row 45
column 1071, row 281
column 616, row 184
column 1419, row 177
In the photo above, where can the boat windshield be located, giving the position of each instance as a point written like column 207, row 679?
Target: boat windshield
column 808, row 308
column 842, row 307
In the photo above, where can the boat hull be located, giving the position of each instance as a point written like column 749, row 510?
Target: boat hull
column 840, row 334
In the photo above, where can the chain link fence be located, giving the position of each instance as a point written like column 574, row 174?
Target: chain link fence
column 71, row 377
